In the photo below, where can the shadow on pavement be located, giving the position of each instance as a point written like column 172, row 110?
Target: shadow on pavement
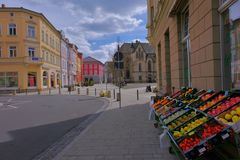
column 29, row 142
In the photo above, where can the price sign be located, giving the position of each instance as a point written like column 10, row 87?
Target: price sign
column 201, row 150
column 225, row 136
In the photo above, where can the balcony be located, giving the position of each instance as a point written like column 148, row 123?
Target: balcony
column 33, row 60
column 17, row 60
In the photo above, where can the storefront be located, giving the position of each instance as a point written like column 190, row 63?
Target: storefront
column 230, row 42
column 8, row 80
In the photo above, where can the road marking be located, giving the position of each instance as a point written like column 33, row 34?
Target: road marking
column 10, row 100
column 1, row 104
column 12, row 106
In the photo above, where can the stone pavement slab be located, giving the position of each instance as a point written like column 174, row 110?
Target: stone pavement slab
column 124, row 133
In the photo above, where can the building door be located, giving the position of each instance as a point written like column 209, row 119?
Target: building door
column 53, row 79
column 32, row 79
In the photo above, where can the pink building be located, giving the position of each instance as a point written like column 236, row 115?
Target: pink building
column 93, row 70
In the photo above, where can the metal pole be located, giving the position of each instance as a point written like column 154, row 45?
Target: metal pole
column 137, row 94
column 49, row 91
column 78, row 90
column 95, row 92
column 119, row 78
column 114, row 93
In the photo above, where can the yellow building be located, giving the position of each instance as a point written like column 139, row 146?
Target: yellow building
column 29, row 50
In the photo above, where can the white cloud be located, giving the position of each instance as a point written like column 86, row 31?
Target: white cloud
column 89, row 20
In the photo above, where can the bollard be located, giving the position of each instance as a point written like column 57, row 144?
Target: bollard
column 39, row 91
column 78, row 90
column 26, row 92
column 59, row 90
column 113, row 93
column 49, row 91
column 87, row 91
column 95, row 92
column 137, row 95
column 14, row 92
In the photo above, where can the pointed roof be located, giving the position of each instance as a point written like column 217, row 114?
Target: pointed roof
column 148, row 48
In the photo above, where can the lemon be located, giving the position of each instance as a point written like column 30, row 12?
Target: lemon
column 233, row 112
column 228, row 116
column 235, row 119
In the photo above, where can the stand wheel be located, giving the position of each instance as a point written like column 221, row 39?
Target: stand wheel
column 170, row 150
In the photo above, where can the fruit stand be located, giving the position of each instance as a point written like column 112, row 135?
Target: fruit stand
column 200, row 122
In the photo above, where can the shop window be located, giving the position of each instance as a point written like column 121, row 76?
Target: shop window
column 31, row 52
column 45, row 78
column 58, row 79
column 12, row 29
column 12, row 51
column 32, row 79
column 231, row 41
column 186, row 49
column 31, row 31
column 8, row 79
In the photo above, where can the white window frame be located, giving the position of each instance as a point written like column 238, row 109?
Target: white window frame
column 31, row 31
column 31, row 52
column 12, row 31
column 186, row 39
column 10, row 49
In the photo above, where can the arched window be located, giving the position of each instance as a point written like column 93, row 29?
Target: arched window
column 149, row 66
column 139, row 67
column 45, row 78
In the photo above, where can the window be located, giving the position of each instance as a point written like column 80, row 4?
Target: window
column 231, row 45
column 139, row 67
column 8, row 79
column 152, row 15
column 31, row 52
column 45, row 78
column 0, row 52
column 168, row 61
column 46, row 38
column 31, row 31
column 12, row 51
column 186, row 48
column 0, row 30
column 149, row 66
column 43, row 36
column 12, row 29
column 46, row 56
column 32, row 79
column 140, row 78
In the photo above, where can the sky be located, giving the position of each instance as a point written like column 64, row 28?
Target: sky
column 95, row 26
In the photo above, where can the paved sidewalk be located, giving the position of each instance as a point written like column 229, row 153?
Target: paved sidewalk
column 119, row 134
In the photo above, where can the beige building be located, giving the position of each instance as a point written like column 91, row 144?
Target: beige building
column 196, row 42
column 29, row 50
column 139, row 62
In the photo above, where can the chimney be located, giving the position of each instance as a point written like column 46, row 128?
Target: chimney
column 3, row 5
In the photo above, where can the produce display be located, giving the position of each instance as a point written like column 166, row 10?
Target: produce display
column 189, row 127
column 189, row 143
column 212, row 102
column 179, row 121
column 174, row 116
column 224, row 106
column 231, row 116
column 189, row 117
